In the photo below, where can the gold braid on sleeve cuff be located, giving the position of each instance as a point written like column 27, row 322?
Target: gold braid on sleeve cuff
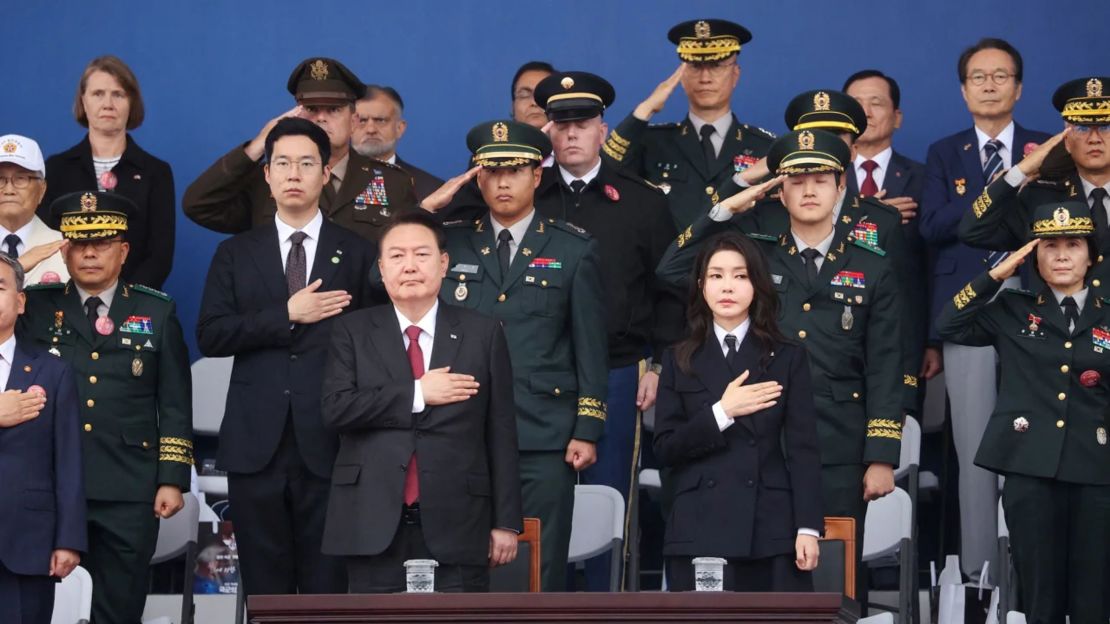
column 884, row 428
column 963, row 297
column 175, row 450
column 909, row 380
column 591, row 407
column 685, row 236
column 980, row 205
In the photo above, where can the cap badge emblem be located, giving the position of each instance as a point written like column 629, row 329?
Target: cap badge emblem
column 500, row 132
column 567, row 82
column 319, row 69
column 1094, row 87
column 805, row 140
column 88, row 202
column 821, row 101
column 701, row 29
column 1061, row 216
column 10, row 147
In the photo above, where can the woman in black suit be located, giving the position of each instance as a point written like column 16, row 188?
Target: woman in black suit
column 109, row 104
column 736, row 423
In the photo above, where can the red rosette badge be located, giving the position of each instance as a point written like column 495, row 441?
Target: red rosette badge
column 108, row 181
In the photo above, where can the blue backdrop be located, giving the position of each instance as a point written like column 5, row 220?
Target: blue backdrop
column 212, row 73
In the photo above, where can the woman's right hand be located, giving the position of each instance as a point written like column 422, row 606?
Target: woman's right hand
column 740, row 400
column 1009, row 266
column 745, row 200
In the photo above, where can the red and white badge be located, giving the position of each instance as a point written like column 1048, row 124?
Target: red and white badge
column 37, row 389
column 611, row 193
column 108, row 180
column 1029, row 147
column 1090, row 378
column 104, row 326
column 50, row 277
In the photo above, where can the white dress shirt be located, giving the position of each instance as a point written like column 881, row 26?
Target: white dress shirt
column 7, row 354
column 518, row 230
column 722, row 126
column 427, row 325
column 24, row 234
column 1007, row 150
column 568, row 177
column 882, row 159
column 311, row 229
column 106, row 297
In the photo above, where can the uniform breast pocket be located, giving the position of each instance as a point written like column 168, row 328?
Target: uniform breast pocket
column 545, row 291
column 463, row 285
column 852, row 304
column 142, row 352
column 666, row 171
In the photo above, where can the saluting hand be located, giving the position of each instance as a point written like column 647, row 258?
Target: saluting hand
column 740, row 400
column 17, row 407
column 35, row 255
column 257, row 147
column 440, row 386
column 745, row 200
column 308, row 306
column 1009, row 266
column 443, row 195
column 659, row 97
column 1031, row 164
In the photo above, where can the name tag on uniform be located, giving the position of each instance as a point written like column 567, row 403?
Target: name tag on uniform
column 464, row 268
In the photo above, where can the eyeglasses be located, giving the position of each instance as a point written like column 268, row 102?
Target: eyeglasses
column 999, row 77
column 1084, row 130
column 284, row 166
column 101, row 245
column 523, row 94
column 715, row 68
column 19, row 180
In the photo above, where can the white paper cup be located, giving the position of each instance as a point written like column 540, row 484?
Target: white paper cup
column 709, row 574
column 420, row 575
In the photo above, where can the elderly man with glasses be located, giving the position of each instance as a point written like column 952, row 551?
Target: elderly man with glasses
column 22, row 234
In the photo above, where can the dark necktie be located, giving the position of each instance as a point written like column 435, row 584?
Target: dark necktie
column 1071, row 312
column 868, row 187
column 577, row 186
column 993, row 151
column 811, row 255
column 91, row 304
column 707, row 145
column 1098, row 214
column 11, row 241
column 416, row 361
column 327, row 198
column 296, row 271
column 503, row 239
column 731, row 357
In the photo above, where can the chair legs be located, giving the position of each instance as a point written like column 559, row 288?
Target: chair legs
column 616, row 558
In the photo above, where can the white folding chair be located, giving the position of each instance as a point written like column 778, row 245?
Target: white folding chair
column 909, row 464
column 73, row 598
column 211, row 380
column 888, row 538
column 598, row 527
column 178, row 536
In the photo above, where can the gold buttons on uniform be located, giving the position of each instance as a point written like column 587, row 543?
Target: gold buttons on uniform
column 88, row 427
column 1067, row 345
column 1061, row 396
column 95, row 355
column 92, row 379
column 855, row 395
column 55, row 339
column 462, row 278
column 709, row 190
column 806, row 307
column 802, row 334
column 1096, row 283
column 1059, row 424
column 543, row 282
column 558, row 392
column 90, row 403
column 1064, row 368
column 146, row 444
column 501, row 297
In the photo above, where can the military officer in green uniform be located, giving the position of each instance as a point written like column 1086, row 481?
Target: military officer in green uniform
column 692, row 158
column 540, row 278
column 999, row 218
column 125, row 345
column 1048, row 432
column 838, row 296
column 363, row 193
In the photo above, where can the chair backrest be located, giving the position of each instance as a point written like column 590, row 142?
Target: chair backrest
column 523, row 573
column 598, row 521
column 889, row 520
column 73, row 598
column 176, row 533
column 211, row 379
column 911, row 447
column 1003, row 529
column 842, row 530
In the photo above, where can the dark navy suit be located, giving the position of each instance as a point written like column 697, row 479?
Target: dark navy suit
column 42, row 494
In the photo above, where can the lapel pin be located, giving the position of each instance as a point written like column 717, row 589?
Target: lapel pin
column 138, row 176
column 335, row 259
column 454, row 337
column 485, row 251
column 967, row 147
column 27, row 368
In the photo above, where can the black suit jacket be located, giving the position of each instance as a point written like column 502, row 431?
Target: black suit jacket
column 466, row 452
column 737, row 493
column 143, row 179
column 278, row 367
column 424, row 182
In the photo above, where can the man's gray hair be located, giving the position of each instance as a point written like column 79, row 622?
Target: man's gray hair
column 17, row 268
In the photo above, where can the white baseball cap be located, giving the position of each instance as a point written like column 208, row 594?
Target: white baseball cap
column 19, row 150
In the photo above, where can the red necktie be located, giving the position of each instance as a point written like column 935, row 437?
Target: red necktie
column 869, row 188
column 416, row 361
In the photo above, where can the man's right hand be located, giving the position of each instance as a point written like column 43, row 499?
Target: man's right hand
column 440, row 386
column 445, row 193
column 308, row 306
column 659, row 97
column 17, row 407
column 1031, row 164
column 746, row 199
column 257, row 147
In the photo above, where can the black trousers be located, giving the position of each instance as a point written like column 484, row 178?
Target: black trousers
column 1060, row 539
column 385, row 573
column 25, row 599
column 278, row 514
column 122, row 538
column 778, row 573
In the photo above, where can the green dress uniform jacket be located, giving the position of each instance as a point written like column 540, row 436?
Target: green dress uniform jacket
column 134, row 387
column 232, row 195
column 551, row 308
column 670, row 156
column 1050, row 420
column 849, row 323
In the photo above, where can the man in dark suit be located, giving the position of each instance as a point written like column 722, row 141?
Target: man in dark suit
column 879, row 171
column 269, row 300
column 42, row 494
column 958, row 167
column 444, row 414
column 379, row 126
column 232, row 196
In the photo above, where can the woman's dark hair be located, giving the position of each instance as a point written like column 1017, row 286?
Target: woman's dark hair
column 1092, row 255
column 764, row 310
